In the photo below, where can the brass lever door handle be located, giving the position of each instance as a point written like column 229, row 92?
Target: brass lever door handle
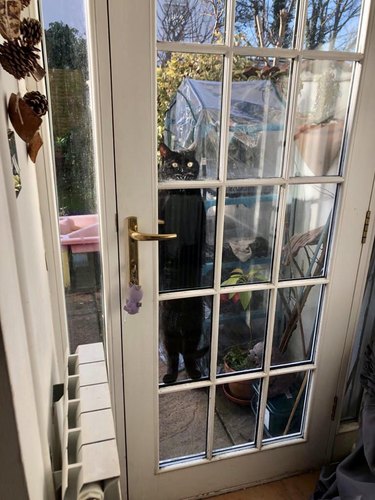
column 131, row 226
column 136, row 235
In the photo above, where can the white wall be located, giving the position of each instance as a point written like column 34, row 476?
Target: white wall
column 12, row 477
column 25, row 310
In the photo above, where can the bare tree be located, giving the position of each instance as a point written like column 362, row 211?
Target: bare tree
column 199, row 21
column 332, row 22
column 262, row 23
column 270, row 23
column 266, row 23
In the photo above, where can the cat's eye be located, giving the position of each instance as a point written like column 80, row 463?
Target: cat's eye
column 174, row 164
column 190, row 164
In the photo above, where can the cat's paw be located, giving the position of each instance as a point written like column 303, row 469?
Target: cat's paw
column 195, row 374
column 169, row 378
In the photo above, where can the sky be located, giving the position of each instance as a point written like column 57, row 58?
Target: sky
column 71, row 12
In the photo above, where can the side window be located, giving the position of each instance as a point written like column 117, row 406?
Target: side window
column 70, row 94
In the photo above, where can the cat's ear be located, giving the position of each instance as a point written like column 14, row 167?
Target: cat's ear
column 164, row 150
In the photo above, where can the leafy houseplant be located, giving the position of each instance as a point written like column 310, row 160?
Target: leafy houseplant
column 239, row 357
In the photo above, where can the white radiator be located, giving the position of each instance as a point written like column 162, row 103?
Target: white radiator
column 90, row 467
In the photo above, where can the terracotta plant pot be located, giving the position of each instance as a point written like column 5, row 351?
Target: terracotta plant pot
column 238, row 392
column 235, row 399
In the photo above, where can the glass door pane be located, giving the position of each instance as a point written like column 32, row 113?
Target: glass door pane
column 334, row 27
column 322, row 105
column 189, row 94
column 265, row 24
column 257, row 117
column 191, row 21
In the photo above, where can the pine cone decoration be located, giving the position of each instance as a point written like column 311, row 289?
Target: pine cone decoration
column 20, row 61
column 37, row 101
column 25, row 3
column 31, row 32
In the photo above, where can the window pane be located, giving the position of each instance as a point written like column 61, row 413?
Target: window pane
column 189, row 106
column 306, row 232
column 249, row 231
column 183, row 424
column 296, row 323
column 264, row 24
column 332, row 25
column 185, row 339
column 199, row 21
column 320, row 118
column 235, row 419
column 257, row 117
column 242, row 330
column 286, row 405
column 186, row 262
column 70, row 87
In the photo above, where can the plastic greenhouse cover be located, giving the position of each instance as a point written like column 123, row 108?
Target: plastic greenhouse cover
column 193, row 120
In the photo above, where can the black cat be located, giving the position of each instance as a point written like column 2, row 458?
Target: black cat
column 180, row 263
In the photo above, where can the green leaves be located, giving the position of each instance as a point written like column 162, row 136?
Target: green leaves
column 245, row 298
column 234, row 278
column 239, row 277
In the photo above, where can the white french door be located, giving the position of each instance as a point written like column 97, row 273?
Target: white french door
column 280, row 134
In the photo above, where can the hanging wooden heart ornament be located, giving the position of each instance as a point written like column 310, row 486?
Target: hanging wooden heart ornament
column 34, row 146
column 24, row 119
column 10, row 11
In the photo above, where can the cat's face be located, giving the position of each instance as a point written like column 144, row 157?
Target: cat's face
column 177, row 166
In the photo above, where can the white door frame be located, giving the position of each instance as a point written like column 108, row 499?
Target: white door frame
column 102, row 119
column 343, row 436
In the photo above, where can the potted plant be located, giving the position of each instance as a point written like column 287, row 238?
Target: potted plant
column 245, row 356
column 239, row 358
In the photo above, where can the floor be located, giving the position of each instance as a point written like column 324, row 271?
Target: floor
column 293, row 488
column 84, row 311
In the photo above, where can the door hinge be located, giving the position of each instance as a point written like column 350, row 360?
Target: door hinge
column 365, row 226
column 334, row 407
column 116, row 222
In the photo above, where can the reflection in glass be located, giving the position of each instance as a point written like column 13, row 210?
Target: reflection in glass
column 199, row 21
column 183, row 424
column 264, row 24
column 332, row 25
column 242, row 330
column 257, row 118
column 306, row 232
column 184, row 345
column 286, row 403
column 235, row 420
column 320, row 117
column 249, row 231
column 189, row 106
column 296, row 321
column 186, row 261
